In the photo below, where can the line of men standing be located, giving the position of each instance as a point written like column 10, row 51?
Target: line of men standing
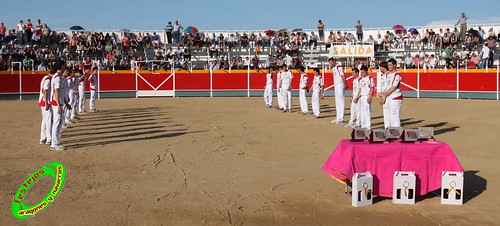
column 62, row 99
column 389, row 93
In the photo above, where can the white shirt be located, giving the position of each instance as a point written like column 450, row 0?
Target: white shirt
column 338, row 72
column 365, row 85
column 392, row 79
column 44, row 85
column 317, row 83
column 486, row 52
column 304, row 80
column 55, row 84
column 93, row 81
column 269, row 79
column 278, row 80
column 82, row 80
column 71, row 84
column 355, row 87
column 286, row 79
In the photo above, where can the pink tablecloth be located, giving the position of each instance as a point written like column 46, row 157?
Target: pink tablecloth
column 427, row 160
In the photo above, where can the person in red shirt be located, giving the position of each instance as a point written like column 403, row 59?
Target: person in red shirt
column 29, row 30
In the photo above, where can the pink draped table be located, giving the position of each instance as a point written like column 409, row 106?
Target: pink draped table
column 426, row 159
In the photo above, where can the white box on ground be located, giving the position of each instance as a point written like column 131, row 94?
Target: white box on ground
column 452, row 187
column 362, row 187
column 404, row 187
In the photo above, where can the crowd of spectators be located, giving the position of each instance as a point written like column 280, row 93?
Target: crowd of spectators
column 37, row 47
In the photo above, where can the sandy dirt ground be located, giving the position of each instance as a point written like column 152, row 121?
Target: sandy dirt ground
column 231, row 161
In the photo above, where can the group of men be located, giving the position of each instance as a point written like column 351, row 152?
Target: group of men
column 62, row 99
column 389, row 93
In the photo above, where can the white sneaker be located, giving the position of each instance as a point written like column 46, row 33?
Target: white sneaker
column 350, row 125
column 42, row 142
column 339, row 122
column 57, row 148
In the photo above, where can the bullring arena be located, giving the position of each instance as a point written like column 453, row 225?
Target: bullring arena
column 199, row 147
column 231, row 161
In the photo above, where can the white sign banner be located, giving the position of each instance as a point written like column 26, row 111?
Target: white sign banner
column 354, row 50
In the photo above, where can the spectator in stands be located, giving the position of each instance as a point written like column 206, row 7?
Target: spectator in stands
column 482, row 34
column 492, row 43
column 330, row 40
column 255, row 62
column 252, row 40
column 213, row 50
column 447, row 56
column 234, row 63
column 321, row 31
column 177, row 32
column 432, row 62
column 359, row 31
column 455, row 61
column 3, row 30
column 244, row 40
column 370, row 40
column 379, row 41
column 27, row 63
column 28, row 31
column 476, row 60
column 485, row 56
column 240, row 63
column 186, row 53
column 169, row 30
column 408, row 61
column 462, row 20
column 491, row 33
column 416, row 62
column 20, row 32
column 349, row 38
column 313, row 40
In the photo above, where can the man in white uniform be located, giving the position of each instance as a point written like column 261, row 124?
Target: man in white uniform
column 317, row 94
column 64, row 89
column 354, row 120
column 44, row 103
column 81, row 92
column 268, row 91
column 391, row 97
column 279, row 94
column 340, row 86
column 93, row 90
column 57, row 102
column 364, row 98
column 69, row 96
column 303, row 90
column 286, row 88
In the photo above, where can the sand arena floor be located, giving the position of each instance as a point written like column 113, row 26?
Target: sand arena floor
column 231, row 161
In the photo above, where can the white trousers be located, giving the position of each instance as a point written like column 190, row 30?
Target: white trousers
column 93, row 96
column 392, row 110
column 81, row 101
column 46, row 125
column 354, row 120
column 287, row 97
column 56, row 126
column 268, row 95
column 69, row 113
column 340, row 101
column 364, row 112
column 303, row 101
column 315, row 102
column 279, row 96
